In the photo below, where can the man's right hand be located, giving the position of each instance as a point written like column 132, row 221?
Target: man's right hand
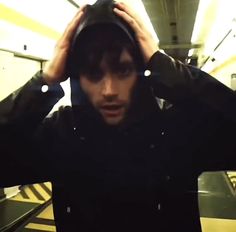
column 55, row 70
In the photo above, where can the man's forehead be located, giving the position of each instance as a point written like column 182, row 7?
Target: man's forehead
column 125, row 56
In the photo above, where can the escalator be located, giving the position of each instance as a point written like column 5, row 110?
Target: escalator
column 16, row 210
column 217, row 206
column 217, row 195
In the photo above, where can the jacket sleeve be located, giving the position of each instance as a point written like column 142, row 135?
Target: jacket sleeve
column 21, row 114
column 206, row 102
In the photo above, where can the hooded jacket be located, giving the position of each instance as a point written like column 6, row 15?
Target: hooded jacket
column 139, row 178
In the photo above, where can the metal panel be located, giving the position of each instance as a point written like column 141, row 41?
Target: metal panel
column 173, row 21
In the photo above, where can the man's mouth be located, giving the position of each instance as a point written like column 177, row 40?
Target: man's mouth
column 112, row 110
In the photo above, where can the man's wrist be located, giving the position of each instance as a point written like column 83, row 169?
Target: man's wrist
column 48, row 80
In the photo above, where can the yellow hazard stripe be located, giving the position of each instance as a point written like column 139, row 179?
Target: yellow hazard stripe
column 35, row 226
column 232, row 178
column 48, row 184
column 218, row 225
column 230, row 173
column 21, row 199
column 12, row 16
column 47, row 213
column 44, row 194
column 30, row 196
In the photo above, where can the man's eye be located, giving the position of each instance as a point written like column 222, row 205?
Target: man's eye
column 94, row 76
column 125, row 71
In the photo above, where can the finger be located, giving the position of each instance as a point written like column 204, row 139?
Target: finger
column 124, row 7
column 72, row 26
column 131, row 21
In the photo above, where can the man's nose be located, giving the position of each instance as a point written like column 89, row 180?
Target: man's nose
column 110, row 88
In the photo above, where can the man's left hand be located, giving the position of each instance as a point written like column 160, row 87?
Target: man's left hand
column 146, row 41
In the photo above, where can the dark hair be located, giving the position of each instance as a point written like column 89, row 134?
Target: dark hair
column 102, row 41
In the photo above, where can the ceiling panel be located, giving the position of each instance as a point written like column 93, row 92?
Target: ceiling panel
column 173, row 21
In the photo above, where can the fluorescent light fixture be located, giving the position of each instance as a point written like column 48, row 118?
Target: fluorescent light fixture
column 190, row 53
column 213, row 22
column 222, row 24
column 202, row 8
column 56, row 13
column 137, row 6
column 234, row 25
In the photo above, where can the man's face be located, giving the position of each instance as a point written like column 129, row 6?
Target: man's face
column 110, row 89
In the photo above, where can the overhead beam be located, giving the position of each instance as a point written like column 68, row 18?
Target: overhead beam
column 179, row 46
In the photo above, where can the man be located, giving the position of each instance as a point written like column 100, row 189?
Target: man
column 116, row 159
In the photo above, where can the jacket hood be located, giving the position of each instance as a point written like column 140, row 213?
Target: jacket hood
column 99, row 13
column 102, row 13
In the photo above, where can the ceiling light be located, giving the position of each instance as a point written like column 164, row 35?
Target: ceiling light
column 202, row 8
column 190, row 53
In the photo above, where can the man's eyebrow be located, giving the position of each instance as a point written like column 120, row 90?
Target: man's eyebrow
column 123, row 64
column 126, row 62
